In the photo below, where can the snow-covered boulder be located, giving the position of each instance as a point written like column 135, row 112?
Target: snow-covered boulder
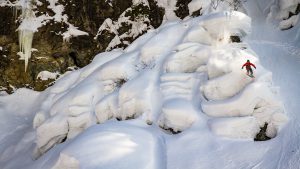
column 139, row 96
column 254, row 96
column 198, row 34
column 225, row 86
column 168, row 36
column 273, row 116
column 221, row 25
column 188, row 59
column 177, row 115
column 107, row 107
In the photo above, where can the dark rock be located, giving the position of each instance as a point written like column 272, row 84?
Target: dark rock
column 171, row 131
column 197, row 13
column 294, row 13
column 126, row 118
column 182, row 8
column 8, row 26
column 262, row 136
column 297, row 9
column 57, row 55
column 156, row 13
column 149, row 122
column 63, row 139
column 235, row 38
column 120, row 82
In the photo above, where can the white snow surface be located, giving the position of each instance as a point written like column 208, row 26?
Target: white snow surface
column 184, row 77
column 45, row 75
column 72, row 32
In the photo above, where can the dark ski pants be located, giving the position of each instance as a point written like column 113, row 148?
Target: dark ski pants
column 250, row 71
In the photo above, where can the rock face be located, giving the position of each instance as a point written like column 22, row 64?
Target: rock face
column 182, row 8
column 56, row 55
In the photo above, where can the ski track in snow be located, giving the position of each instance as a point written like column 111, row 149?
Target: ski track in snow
column 288, row 47
column 280, row 54
column 284, row 64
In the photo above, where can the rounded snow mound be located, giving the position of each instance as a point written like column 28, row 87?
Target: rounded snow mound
column 173, row 77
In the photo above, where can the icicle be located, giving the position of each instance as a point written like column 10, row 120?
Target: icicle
column 25, row 32
column 25, row 40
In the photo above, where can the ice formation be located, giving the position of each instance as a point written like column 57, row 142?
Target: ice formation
column 25, row 41
column 26, row 32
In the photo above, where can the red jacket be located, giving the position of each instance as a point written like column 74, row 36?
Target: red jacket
column 248, row 65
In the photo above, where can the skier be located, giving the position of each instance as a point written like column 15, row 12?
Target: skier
column 248, row 65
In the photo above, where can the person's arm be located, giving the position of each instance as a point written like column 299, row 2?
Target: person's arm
column 253, row 65
column 244, row 65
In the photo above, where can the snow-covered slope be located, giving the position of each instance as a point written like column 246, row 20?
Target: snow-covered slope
column 279, row 52
column 124, row 109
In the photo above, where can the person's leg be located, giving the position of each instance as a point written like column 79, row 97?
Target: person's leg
column 248, row 71
column 251, row 72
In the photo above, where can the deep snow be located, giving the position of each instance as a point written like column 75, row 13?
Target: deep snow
column 191, row 82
